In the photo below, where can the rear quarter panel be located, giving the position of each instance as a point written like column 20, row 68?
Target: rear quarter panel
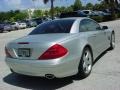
column 75, row 45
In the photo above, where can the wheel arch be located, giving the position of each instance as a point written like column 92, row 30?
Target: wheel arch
column 91, row 50
column 113, row 32
column 79, row 67
column 85, row 45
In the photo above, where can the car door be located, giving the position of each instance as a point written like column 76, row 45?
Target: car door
column 95, row 35
column 101, row 36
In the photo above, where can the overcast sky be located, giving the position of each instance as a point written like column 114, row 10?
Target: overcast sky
column 6, row 5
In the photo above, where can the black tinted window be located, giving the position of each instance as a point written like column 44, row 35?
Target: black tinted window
column 57, row 26
column 70, row 14
column 73, row 14
column 86, row 12
column 89, row 25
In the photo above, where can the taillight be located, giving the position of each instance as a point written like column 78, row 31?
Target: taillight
column 7, row 53
column 54, row 52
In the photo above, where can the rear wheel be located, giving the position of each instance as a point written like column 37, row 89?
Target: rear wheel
column 112, row 43
column 1, row 31
column 86, row 63
column 16, row 28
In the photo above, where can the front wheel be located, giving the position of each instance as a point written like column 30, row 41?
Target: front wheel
column 85, row 66
column 112, row 42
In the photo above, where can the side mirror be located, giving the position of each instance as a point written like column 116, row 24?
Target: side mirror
column 104, row 27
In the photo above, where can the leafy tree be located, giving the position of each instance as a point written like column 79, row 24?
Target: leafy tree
column 46, row 13
column 100, row 6
column 89, row 6
column 13, row 15
column 57, row 10
column 69, row 9
column 20, row 16
column 38, row 13
column 112, row 4
column 62, row 9
column 77, row 5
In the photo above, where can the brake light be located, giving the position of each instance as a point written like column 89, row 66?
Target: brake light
column 54, row 52
column 7, row 53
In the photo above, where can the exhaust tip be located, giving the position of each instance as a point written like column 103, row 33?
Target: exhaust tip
column 49, row 76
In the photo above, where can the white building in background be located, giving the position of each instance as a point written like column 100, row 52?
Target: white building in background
column 31, row 11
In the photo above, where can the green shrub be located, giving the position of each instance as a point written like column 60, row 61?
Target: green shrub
column 114, row 16
column 107, row 18
column 97, row 18
column 118, row 15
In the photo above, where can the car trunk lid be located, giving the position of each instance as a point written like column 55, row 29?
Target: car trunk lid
column 31, row 47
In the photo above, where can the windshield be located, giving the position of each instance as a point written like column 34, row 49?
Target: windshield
column 86, row 12
column 57, row 26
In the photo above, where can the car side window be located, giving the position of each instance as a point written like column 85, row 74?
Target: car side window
column 93, row 26
column 89, row 25
column 83, row 26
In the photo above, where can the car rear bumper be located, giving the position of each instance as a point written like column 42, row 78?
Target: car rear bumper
column 41, row 68
column 22, row 26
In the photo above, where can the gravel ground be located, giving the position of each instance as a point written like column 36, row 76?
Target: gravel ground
column 105, row 74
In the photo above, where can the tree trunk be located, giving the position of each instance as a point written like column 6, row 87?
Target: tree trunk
column 52, row 10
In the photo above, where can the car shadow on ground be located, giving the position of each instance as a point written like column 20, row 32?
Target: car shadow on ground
column 100, row 56
column 36, row 83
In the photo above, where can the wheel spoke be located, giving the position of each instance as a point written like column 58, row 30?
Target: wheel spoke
column 87, row 61
column 85, row 67
column 113, row 40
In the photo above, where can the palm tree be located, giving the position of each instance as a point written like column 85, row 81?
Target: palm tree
column 34, row 3
column 52, row 7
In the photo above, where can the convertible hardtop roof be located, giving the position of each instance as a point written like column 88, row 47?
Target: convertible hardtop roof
column 73, row 18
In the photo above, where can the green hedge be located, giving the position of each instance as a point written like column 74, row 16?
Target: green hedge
column 118, row 15
column 97, row 18
column 102, row 18
column 107, row 18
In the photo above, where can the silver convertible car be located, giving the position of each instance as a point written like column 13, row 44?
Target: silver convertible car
column 60, row 48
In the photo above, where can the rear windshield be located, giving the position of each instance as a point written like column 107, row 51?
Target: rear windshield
column 57, row 26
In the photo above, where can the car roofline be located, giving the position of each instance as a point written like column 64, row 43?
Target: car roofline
column 73, row 18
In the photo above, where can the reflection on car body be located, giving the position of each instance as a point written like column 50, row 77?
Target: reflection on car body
column 60, row 48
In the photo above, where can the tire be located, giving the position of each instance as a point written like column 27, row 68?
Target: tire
column 86, row 63
column 1, row 31
column 16, row 28
column 112, row 42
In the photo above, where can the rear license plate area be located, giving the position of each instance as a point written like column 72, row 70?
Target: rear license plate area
column 24, row 52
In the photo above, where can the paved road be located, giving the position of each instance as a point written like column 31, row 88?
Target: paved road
column 105, row 74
